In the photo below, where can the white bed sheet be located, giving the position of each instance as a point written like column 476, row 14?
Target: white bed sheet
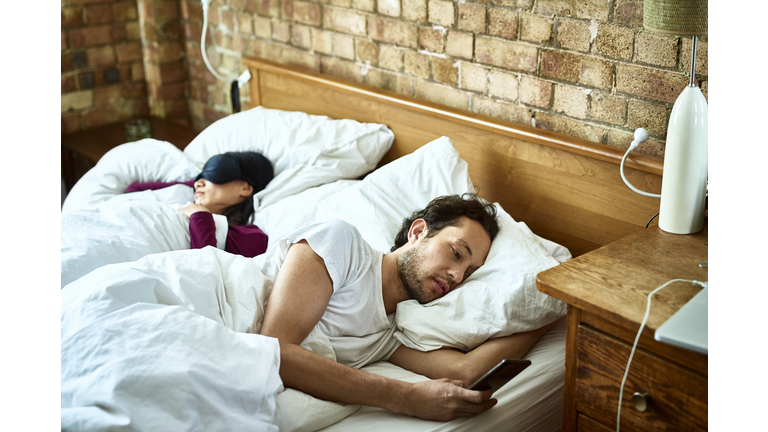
column 532, row 401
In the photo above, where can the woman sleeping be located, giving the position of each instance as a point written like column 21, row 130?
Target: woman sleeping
column 157, row 217
column 225, row 187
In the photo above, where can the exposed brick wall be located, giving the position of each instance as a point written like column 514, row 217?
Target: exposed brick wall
column 583, row 68
column 102, row 73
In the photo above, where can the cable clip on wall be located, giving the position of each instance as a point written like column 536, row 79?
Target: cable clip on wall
column 235, row 83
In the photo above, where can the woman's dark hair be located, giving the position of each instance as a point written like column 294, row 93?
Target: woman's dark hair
column 255, row 169
column 445, row 211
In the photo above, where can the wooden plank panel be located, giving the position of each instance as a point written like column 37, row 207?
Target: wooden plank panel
column 677, row 397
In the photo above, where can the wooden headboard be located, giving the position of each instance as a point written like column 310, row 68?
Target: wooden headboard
column 565, row 189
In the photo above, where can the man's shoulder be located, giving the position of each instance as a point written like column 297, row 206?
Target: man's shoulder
column 340, row 226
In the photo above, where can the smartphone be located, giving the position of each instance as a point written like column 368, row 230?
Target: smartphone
column 500, row 374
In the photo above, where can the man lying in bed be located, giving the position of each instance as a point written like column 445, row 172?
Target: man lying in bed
column 331, row 278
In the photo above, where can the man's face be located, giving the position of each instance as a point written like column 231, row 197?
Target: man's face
column 433, row 267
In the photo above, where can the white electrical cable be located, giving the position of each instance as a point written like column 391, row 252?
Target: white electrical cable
column 637, row 339
column 202, row 43
column 640, row 136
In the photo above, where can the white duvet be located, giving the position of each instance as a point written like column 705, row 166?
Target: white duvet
column 167, row 343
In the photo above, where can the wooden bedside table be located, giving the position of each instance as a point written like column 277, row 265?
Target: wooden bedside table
column 88, row 146
column 607, row 291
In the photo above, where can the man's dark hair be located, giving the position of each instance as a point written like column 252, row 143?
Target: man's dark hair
column 445, row 211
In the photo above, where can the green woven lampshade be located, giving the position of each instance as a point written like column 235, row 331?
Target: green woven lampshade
column 676, row 17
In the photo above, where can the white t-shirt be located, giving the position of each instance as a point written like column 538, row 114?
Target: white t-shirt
column 355, row 322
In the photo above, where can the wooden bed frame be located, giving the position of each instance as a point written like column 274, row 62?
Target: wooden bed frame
column 565, row 189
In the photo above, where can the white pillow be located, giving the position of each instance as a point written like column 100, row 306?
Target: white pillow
column 305, row 150
column 378, row 204
column 283, row 217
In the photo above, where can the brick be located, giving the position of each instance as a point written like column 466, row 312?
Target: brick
column 66, row 63
column 303, row 12
column 86, row 80
column 501, row 109
column 70, row 123
column 344, row 46
column 392, row 31
column 391, row 57
column 300, row 58
column 441, row 94
column 64, row 44
column 344, row 21
column 166, row 10
column 431, row 39
column 133, row 31
column 197, row 91
column 440, row 12
column 113, row 114
column 364, row 5
column 389, row 7
column 389, row 81
column 68, row 84
column 577, row 68
column 90, row 36
column 415, row 10
column 589, row 9
column 262, row 27
column 571, row 101
column 702, row 52
column 237, row 5
column 472, row 17
column 445, row 71
column 459, row 44
column 228, row 19
column 615, row 41
column 342, row 69
column 342, row 3
column 126, row 11
column 651, row 117
column 705, row 89
column 622, row 139
column 473, row 77
column 502, row 23
column 503, row 85
column 266, row 7
column 196, row 72
column 130, row 51
column 322, row 41
column 416, row 64
column 72, row 17
column 166, row 73
column 651, row 83
column 191, row 10
column 367, row 51
column 574, row 128
column 573, row 35
column 608, row 108
column 76, row 101
column 136, row 89
column 117, row 32
column 628, row 12
column 101, row 56
column 169, row 109
column 244, row 23
column 535, row 28
column 281, row 31
column 107, row 95
column 656, row 49
column 98, row 14
column 506, row 54
column 301, row 36
column 534, row 91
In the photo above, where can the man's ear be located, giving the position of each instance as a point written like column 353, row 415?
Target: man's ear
column 418, row 229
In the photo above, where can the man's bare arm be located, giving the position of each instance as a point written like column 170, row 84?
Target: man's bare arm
column 298, row 300
column 467, row 367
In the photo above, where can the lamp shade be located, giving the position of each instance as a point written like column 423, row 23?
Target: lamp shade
column 676, row 17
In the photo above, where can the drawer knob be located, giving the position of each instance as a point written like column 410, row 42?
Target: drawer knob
column 640, row 401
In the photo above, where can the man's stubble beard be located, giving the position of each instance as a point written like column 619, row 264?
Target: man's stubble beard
column 408, row 264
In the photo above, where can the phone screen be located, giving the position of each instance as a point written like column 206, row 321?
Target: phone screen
column 500, row 374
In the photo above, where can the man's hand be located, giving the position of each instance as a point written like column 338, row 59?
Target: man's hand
column 191, row 208
column 445, row 399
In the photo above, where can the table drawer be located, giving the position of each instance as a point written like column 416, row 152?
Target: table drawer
column 677, row 397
